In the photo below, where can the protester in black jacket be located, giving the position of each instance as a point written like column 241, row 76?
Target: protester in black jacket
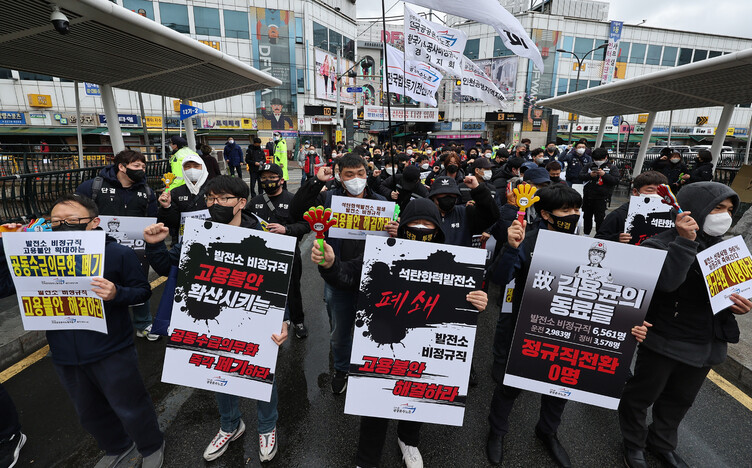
column 403, row 187
column 273, row 206
column 510, row 170
column 577, row 159
column 686, row 338
column 255, row 158
column 703, row 170
column 672, row 166
column 210, row 162
column 461, row 222
column 600, row 178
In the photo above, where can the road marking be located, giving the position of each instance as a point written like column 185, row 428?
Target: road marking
column 158, row 281
column 729, row 388
column 10, row 372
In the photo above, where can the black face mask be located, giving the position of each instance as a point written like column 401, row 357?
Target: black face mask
column 555, row 179
column 62, row 227
column 135, row 175
column 446, row 204
column 566, row 224
column 419, row 234
column 221, row 214
column 270, row 186
column 452, row 168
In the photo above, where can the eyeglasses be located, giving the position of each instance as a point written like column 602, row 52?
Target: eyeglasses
column 70, row 222
column 221, row 200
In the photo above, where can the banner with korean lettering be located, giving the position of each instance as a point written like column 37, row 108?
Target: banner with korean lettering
column 612, row 52
column 727, row 268
column 416, row 80
column 475, row 83
column 229, row 300
column 414, row 331
column 360, row 217
column 434, row 43
column 52, row 272
column 129, row 231
column 372, row 113
column 573, row 336
column 646, row 217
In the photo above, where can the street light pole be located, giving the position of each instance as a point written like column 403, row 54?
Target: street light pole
column 580, row 61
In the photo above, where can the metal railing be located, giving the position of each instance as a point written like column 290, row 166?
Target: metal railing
column 728, row 165
column 12, row 162
column 28, row 196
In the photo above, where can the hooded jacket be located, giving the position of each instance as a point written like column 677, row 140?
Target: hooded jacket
column 113, row 199
column 78, row 347
column 684, row 327
column 186, row 198
column 421, row 208
column 462, row 222
column 233, row 154
column 176, row 165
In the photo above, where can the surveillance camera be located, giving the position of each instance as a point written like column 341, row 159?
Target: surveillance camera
column 59, row 21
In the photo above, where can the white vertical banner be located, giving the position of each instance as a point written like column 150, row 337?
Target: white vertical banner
column 492, row 13
column 433, row 43
column 416, row 80
column 612, row 52
column 477, row 84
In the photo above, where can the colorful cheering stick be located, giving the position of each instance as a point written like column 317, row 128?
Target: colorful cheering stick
column 320, row 221
column 37, row 225
column 167, row 180
column 396, row 212
column 668, row 197
column 525, row 198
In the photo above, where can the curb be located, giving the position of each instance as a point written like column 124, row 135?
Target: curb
column 21, row 347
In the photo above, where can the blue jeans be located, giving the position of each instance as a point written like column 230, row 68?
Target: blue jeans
column 141, row 315
column 340, row 305
column 304, row 176
column 229, row 411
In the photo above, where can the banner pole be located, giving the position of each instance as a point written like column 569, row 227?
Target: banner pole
column 385, row 75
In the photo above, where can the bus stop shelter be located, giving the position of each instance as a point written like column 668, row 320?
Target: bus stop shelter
column 724, row 81
column 117, row 48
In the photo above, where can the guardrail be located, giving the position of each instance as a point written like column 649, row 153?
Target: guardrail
column 12, row 162
column 728, row 165
column 28, row 196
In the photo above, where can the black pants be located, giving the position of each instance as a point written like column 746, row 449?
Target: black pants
column 255, row 181
column 9, row 424
column 237, row 168
column 294, row 296
column 667, row 384
column 112, row 403
column 373, row 435
column 593, row 207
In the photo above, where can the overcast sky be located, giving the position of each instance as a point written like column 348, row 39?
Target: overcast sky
column 725, row 17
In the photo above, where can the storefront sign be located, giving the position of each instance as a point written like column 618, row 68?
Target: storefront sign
column 129, row 120
column 92, row 89
column 39, row 118
column 12, row 118
column 473, row 126
column 320, row 110
column 39, row 100
column 503, row 116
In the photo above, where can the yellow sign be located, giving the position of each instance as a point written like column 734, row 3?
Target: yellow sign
column 729, row 132
column 576, row 65
column 338, row 136
column 642, row 118
column 702, row 119
column 176, row 105
column 248, row 124
column 212, row 44
column 573, row 117
column 40, row 100
column 153, row 121
column 621, row 70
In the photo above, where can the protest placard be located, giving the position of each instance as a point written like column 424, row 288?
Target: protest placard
column 434, row 43
column 129, row 231
column 198, row 214
column 727, row 268
column 229, row 300
column 414, row 331
column 359, row 217
column 647, row 216
column 52, row 272
column 573, row 335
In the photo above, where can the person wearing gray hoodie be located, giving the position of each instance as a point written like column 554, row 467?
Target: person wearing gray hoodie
column 686, row 338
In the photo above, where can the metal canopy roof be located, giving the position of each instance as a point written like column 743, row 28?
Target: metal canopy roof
column 722, row 80
column 108, row 44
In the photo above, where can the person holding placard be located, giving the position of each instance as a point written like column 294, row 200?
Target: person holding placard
column 185, row 198
column 686, row 338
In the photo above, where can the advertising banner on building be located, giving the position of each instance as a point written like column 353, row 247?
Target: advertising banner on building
column 229, row 300
column 416, row 80
column 612, row 52
column 475, row 83
column 401, row 113
column 647, row 216
column 573, row 337
column 727, row 268
column 540, row 84
column 360, row 217
column 434, row 43
column 414, row 331
column 325, row 74
column 503, row 74
column 52, row 273
column 274, row 53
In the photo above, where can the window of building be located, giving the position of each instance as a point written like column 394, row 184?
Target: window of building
column 175, row 17
column 298, row 30
column 567, row 43
column 623, row 52
column 714, row 53
column 472, row 49
column 236, row 24
column 669, row 56
column 320, row 36
column 638, row 53
column 335, row 42
column 685, row 57
column 207, row 21
column 500, row 49
column 301, row 80
column 582, row 45
column 594, row 83
column 348, row 48
column 34, row 76
column 572, row 83
column 654, row 55
column 5, row 74
column 700, row 55
column 561, row 88
column 142, row 7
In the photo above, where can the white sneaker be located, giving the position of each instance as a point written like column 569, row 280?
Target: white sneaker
column 268, row 445
column 410, row 455
column 146, row 333
column 219, row 444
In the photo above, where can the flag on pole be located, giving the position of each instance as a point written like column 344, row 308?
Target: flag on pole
column 416, row 80
column 187, row 111
column 434, row 43
column 492, row 13
column 475, row 83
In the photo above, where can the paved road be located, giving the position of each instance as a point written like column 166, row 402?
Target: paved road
column 314, row 431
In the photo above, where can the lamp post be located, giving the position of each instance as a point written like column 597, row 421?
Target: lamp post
column 580, row 61
column 367, row 64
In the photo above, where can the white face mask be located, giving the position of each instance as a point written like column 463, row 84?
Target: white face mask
column 230, row 141
column 336, row 177
column 409, row 151
column 389, row 170
column 192, row 174
column 717, row 224
column 487, row 174
column 355, row 186
column 675, row 160
column 580, row 151
column 428, row 152
column 600, row 163
column 425, row 166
